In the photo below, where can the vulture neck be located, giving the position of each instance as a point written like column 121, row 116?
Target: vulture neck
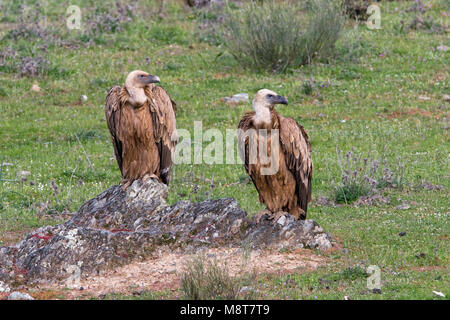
column 262, row 117
column 137, row 96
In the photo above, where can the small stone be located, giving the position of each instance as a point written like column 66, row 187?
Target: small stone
column 35, row 88
column 282, row 221
column 171, row 270
column 403, row 206
column 376, row 290
column 4, row 288
column 16, row 295
column 237, row 98
column 446, row 97
column 246, row 289
column 421, row 255
column 83, row 98
column 438, row 293
column 7, row 164
column 442, row 48
column 423, row 98
column 23, row 175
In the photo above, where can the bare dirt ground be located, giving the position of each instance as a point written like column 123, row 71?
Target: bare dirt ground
column 164, row 271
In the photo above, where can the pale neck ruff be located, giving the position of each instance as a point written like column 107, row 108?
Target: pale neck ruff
column 262, row 114
column 137, row 96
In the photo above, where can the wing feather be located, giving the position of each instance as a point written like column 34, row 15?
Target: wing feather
column 112, row 107
column 246, row 124
column 163, row 111
column 297, row 151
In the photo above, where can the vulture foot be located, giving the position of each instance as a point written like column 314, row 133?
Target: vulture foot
column 125, row 184
column 261, row 214
column 299, row 213
column 148, row 177
column 276, row 215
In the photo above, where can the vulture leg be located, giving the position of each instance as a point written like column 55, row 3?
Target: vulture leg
column 298, row 213
column 261, row 215
column 125, row 184
column 148, row 177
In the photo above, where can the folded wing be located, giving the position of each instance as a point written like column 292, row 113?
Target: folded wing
column 163, row 111
column 112, row 106
column 297, row 152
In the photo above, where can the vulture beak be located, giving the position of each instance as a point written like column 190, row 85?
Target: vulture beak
column 152, row 79
column 280, row 100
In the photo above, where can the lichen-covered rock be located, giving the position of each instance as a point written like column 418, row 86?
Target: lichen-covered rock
column 19, row 296
column 119, row 226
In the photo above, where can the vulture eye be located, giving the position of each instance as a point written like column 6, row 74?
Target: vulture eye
column 270, row 95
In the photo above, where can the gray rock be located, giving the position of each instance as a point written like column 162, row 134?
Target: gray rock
column 442, row 48
column 118, row 227
column 204, row 3
column 23, row 175
column 19, row 296
column 281, row 221
column 4, row 288
column 246, row 289
column 237, row 98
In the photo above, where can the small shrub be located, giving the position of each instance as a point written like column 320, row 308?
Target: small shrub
column 350, row 192
column 276, row 35
column 308, row 87
column 209, row 21
column 205, row 279
column 30, row 66
column 361, row 179
column 349, row 273
column 352, row 46
column 33, row 66
column 420, row 20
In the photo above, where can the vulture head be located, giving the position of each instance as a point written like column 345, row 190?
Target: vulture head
column 139, row 79
column 135, row 83
column 268, row 99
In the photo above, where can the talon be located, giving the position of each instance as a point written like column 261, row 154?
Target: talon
column 261, row 214
column 277, row 215
column 125, row 184
column 148, row 177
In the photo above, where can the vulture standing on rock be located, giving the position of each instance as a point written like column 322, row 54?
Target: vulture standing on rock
column 141, row 120
column 288, row 187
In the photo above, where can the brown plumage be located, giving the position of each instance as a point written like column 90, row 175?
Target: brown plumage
column 288, row 189
column 141, row 120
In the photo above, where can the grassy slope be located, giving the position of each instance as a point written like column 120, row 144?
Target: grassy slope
column 39, row 134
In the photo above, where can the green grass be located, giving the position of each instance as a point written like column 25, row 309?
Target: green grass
column 374, row 87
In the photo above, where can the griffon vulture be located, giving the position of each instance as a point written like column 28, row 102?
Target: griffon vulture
column 141, row 120
column 287, row 188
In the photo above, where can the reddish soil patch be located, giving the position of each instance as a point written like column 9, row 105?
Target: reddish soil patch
column 11, row 237
column 164, row 272
column 413, row 112
column 428, row 268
